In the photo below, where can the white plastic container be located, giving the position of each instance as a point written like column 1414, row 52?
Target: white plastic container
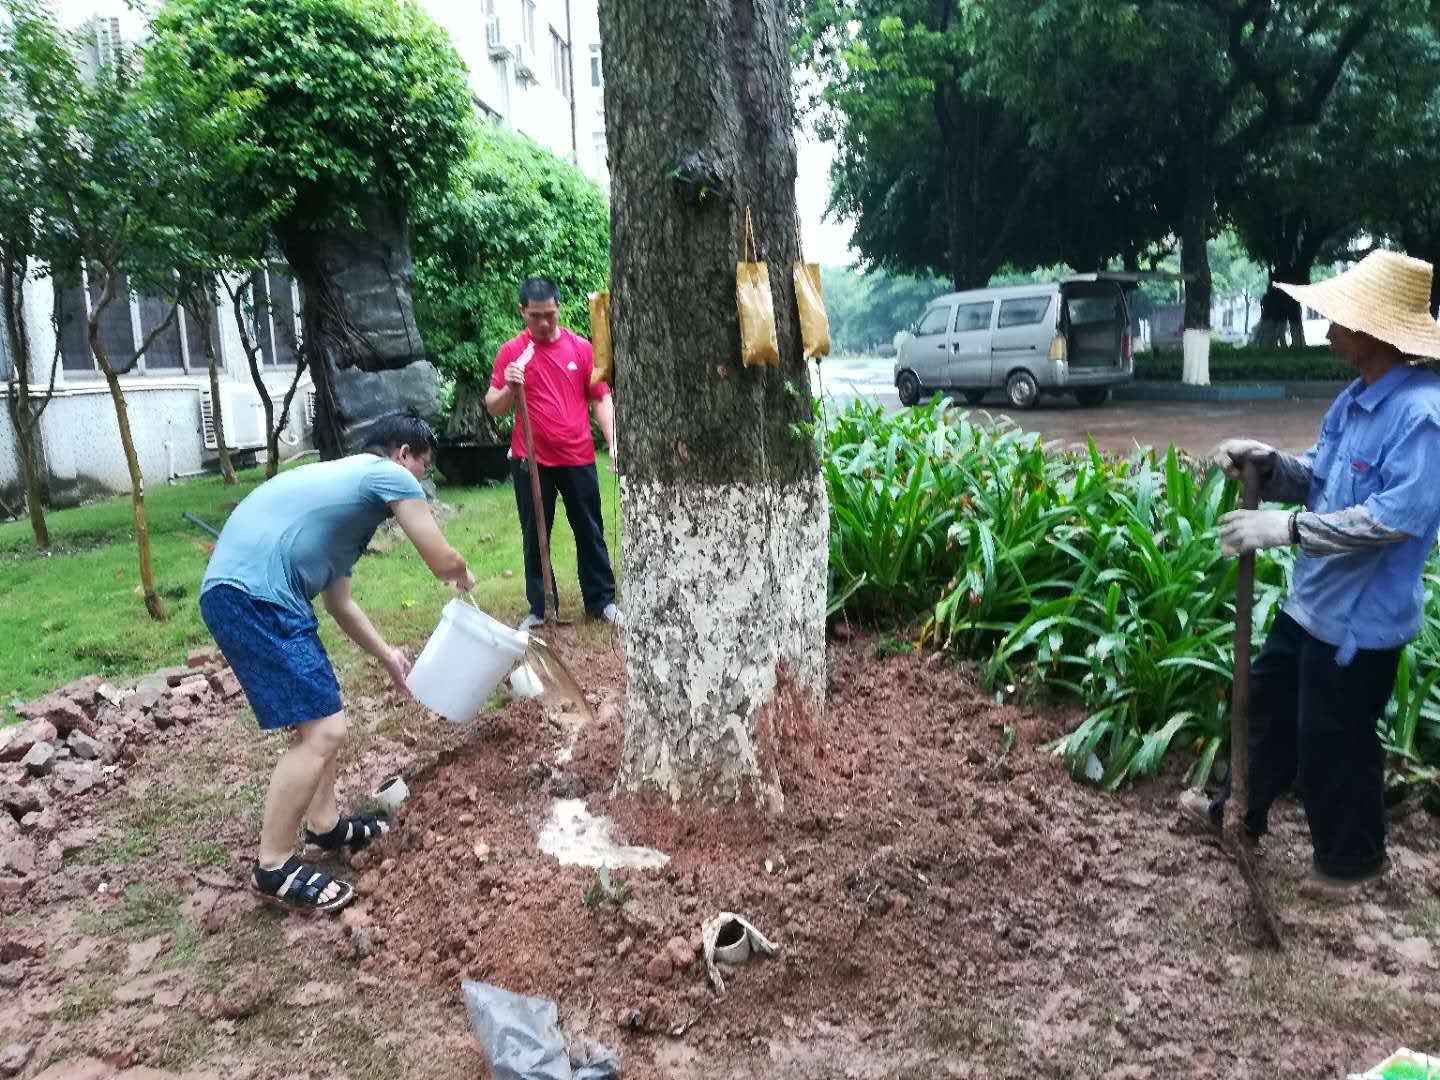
column 464, row 660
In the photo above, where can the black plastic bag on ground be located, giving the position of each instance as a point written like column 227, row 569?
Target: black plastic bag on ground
column 521, row 1037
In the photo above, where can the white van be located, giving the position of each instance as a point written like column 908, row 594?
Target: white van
column 1061, row 337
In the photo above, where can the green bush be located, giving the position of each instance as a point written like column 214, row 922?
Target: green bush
column 512, row 210
column 1229, row 364
column 1097, row 577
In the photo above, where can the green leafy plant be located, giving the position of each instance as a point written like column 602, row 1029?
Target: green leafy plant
column 605, row 889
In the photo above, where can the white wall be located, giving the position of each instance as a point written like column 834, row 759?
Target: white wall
column 536, row 108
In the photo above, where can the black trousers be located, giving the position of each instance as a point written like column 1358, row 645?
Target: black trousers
column 579, row 487
column 1313, row 728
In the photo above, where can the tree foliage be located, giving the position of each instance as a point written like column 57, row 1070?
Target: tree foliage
column 512, row 210
column 1093, row 130
column 867, row 309
column 356, row 99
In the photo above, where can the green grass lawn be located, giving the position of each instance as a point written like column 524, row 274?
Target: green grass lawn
column 75, row 611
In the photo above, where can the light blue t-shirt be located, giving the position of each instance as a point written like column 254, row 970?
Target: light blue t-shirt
column 294, row 536
column 1379, row 448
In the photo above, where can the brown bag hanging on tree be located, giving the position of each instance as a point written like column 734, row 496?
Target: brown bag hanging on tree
column 814, row 323
column 758, row 343
column 604, row 369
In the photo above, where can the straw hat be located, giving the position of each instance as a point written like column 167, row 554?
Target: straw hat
column 1385, row 295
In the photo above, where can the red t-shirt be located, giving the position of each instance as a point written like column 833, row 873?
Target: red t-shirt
column 557, row 393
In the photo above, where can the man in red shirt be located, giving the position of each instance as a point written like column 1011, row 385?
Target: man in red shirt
column 554, row 366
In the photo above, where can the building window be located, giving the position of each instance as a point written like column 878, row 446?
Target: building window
column 75, row 355
column 595, row 78
column 560, row 63
column 164, row 352
column 116, row 333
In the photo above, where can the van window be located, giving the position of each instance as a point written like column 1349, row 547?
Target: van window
column 934, row 322
column 973, row 316
column 1091, row 309
column 1026, row 311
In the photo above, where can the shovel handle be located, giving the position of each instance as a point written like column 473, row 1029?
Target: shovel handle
column 1240, row 688
column 541, row 532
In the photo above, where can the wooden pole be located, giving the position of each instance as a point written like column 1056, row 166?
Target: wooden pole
column 1239, row 802
column 552, row 603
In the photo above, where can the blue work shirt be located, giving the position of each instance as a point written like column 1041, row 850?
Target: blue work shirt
column 1379, row 448
column 292, row 537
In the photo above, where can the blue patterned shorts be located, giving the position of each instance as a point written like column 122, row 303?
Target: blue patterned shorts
column 275, row 653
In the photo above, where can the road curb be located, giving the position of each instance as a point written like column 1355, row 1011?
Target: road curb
column 1266, row 391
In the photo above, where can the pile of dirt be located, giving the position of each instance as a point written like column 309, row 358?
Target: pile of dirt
column 945, row 901
column 941, row 893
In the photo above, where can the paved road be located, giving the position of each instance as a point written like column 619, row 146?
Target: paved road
column 1116, row 426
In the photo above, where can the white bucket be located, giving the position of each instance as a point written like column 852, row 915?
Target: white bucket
column 464, row 660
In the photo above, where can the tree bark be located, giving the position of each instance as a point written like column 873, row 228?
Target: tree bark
column 201, row 315
column 23, row 418
column 1194, row 252
column 722, row 504
column 357, row 312
column 153, row 604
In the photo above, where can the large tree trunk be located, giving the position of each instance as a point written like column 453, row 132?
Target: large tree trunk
column 358, row 317
column 722, row 504
column 1194, row 253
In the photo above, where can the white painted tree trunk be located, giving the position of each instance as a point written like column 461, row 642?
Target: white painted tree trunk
column 1196, row 368
column 724, row 597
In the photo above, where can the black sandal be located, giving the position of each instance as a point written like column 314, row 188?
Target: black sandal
column 351, row 834
column 298, row 887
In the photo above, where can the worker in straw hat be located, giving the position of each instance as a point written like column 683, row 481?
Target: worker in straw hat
column 1368, row 497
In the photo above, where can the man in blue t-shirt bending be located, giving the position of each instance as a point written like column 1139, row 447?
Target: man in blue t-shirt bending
column 292, row 539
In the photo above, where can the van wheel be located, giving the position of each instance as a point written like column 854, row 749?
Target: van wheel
column 1092, row 396
column 1022, row 390
column 974, row 397
column 908, row 386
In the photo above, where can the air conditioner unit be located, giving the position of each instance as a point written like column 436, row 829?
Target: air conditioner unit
column 495, row 39
column 524, row 73
column 243, row 414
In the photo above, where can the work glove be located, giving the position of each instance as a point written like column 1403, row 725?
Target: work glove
column 1244, row 531
column 1232, row 454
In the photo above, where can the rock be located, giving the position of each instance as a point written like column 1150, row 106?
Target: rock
column 199, row 658
column 369, row 883
column 40, row 759
column 19, row 799
column 60, row 711
column 147, row 693
column 225, row 684
column 625, row 945
column 194, row 690
column 680, row 952
column 106, row 692
column 87, row 748
column 15, row 742
column 21, row 945
column 17, row 861
column 143, row 954
column 174, row 676
column 74, row 778
column 12, row 974
column 660, row 967
column 14, row 1057
column 43, row 823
